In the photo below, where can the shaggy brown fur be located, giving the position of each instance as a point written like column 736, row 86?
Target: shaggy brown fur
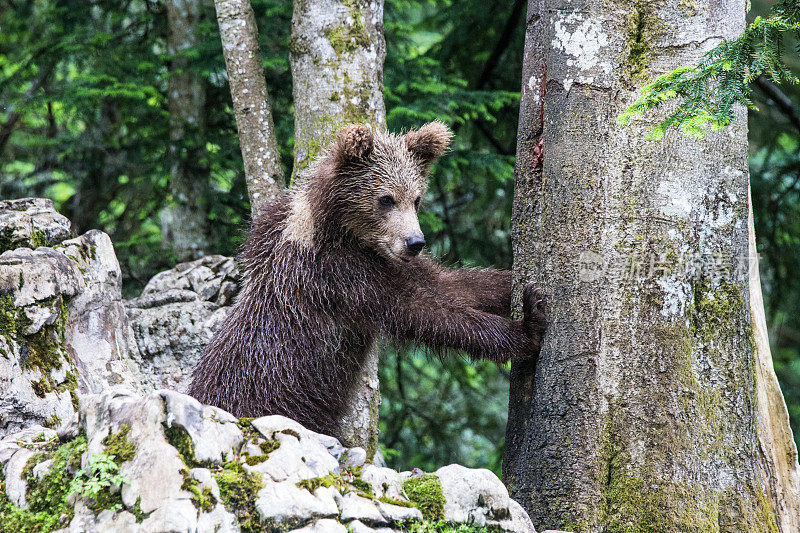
column 328, row 267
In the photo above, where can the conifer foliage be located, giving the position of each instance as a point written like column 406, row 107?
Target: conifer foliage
column 707, row 92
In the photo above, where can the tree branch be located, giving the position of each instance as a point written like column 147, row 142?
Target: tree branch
column 502, row 44
column 783, row 102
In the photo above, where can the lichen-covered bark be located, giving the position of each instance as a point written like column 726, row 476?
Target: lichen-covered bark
column 640, row 414
column 184, row 224
column 262, row 163
column 337, row 52
column 777, row 449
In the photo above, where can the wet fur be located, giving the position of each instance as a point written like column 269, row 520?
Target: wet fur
column 315, row 296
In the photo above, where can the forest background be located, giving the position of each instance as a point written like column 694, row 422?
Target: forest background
column 84, row 120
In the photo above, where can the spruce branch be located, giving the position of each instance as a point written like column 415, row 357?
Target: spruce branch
column 707, row 92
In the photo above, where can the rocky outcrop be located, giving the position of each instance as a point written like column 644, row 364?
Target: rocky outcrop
column 177, row 314
column 84, row 453
column 164, row 462
column 31, row 223
column 62, row 325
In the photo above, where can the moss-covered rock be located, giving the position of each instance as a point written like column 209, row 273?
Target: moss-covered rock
column 145, row 473
column 238, row 490
column 118, row 446
column 425, row 491
column 46, row 496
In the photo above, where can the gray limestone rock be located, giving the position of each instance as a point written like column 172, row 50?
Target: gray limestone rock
column 98, row 336
column 355, row 507
column 286, row 503
column 37, row 376
column 214, row 433
column 16, row 486
column 296, row 459
column 176, row 316
column 63, row 329
column 30, row 223
column 384, row 481
column 477, row 496
column 326, row 525
column 180, row 459
column 398, row 513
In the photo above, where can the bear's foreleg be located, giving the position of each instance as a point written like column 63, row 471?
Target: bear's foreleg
column 485, row 289
column 443, row 323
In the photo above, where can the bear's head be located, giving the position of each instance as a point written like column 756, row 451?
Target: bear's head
column 379, row 182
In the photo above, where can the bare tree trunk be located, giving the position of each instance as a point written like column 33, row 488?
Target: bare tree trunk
column 777, row 449
column 262, row 161
column 337, row 52
column 185, row 223
column 641, row 412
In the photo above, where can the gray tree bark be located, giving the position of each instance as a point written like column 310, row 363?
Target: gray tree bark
column 262, row 162
column 641, row 412
column 184, row 224
column 337, row 52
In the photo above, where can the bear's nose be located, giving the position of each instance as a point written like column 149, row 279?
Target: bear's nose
column 414, row 245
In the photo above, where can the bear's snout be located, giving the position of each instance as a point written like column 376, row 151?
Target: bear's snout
column 415, row 244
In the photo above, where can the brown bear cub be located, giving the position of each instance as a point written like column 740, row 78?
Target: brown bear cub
column 336, row 261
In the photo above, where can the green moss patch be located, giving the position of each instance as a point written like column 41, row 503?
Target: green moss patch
column 253, row 460
column 70, row 384
column 7, row 239
column 349, row 37
column 46, row 497
column 8, row 242
column 44, row 350
column 38, row 239
column 392, row 501
column 238, row 490
column 202, row 499
column 180, row 439
column 136, row 511
column 425, row 491
column 643, row 27
column 331, row 480
column 349, row 480
column 251, row 434
column 443, row 527
column 118, row 446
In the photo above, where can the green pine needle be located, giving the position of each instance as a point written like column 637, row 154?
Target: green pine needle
column 708, row 91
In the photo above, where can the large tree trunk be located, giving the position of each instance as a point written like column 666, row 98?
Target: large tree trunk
column 262, row 161
column 641, row 413
column 185, row 222
column 337, row 52
column 777, row 449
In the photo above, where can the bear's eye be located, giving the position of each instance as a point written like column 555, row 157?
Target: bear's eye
column 417, row 202
column 386, row 201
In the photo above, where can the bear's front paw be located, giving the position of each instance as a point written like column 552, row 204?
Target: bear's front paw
column 533, row 309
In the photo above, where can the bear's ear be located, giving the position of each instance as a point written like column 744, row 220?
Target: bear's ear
column 429, row 142
column 353, row 143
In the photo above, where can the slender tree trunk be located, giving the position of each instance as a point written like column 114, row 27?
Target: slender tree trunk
column 641, row 412
column 777, row 449
column 337, row 52
column 262, row 161
column 185, row 222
